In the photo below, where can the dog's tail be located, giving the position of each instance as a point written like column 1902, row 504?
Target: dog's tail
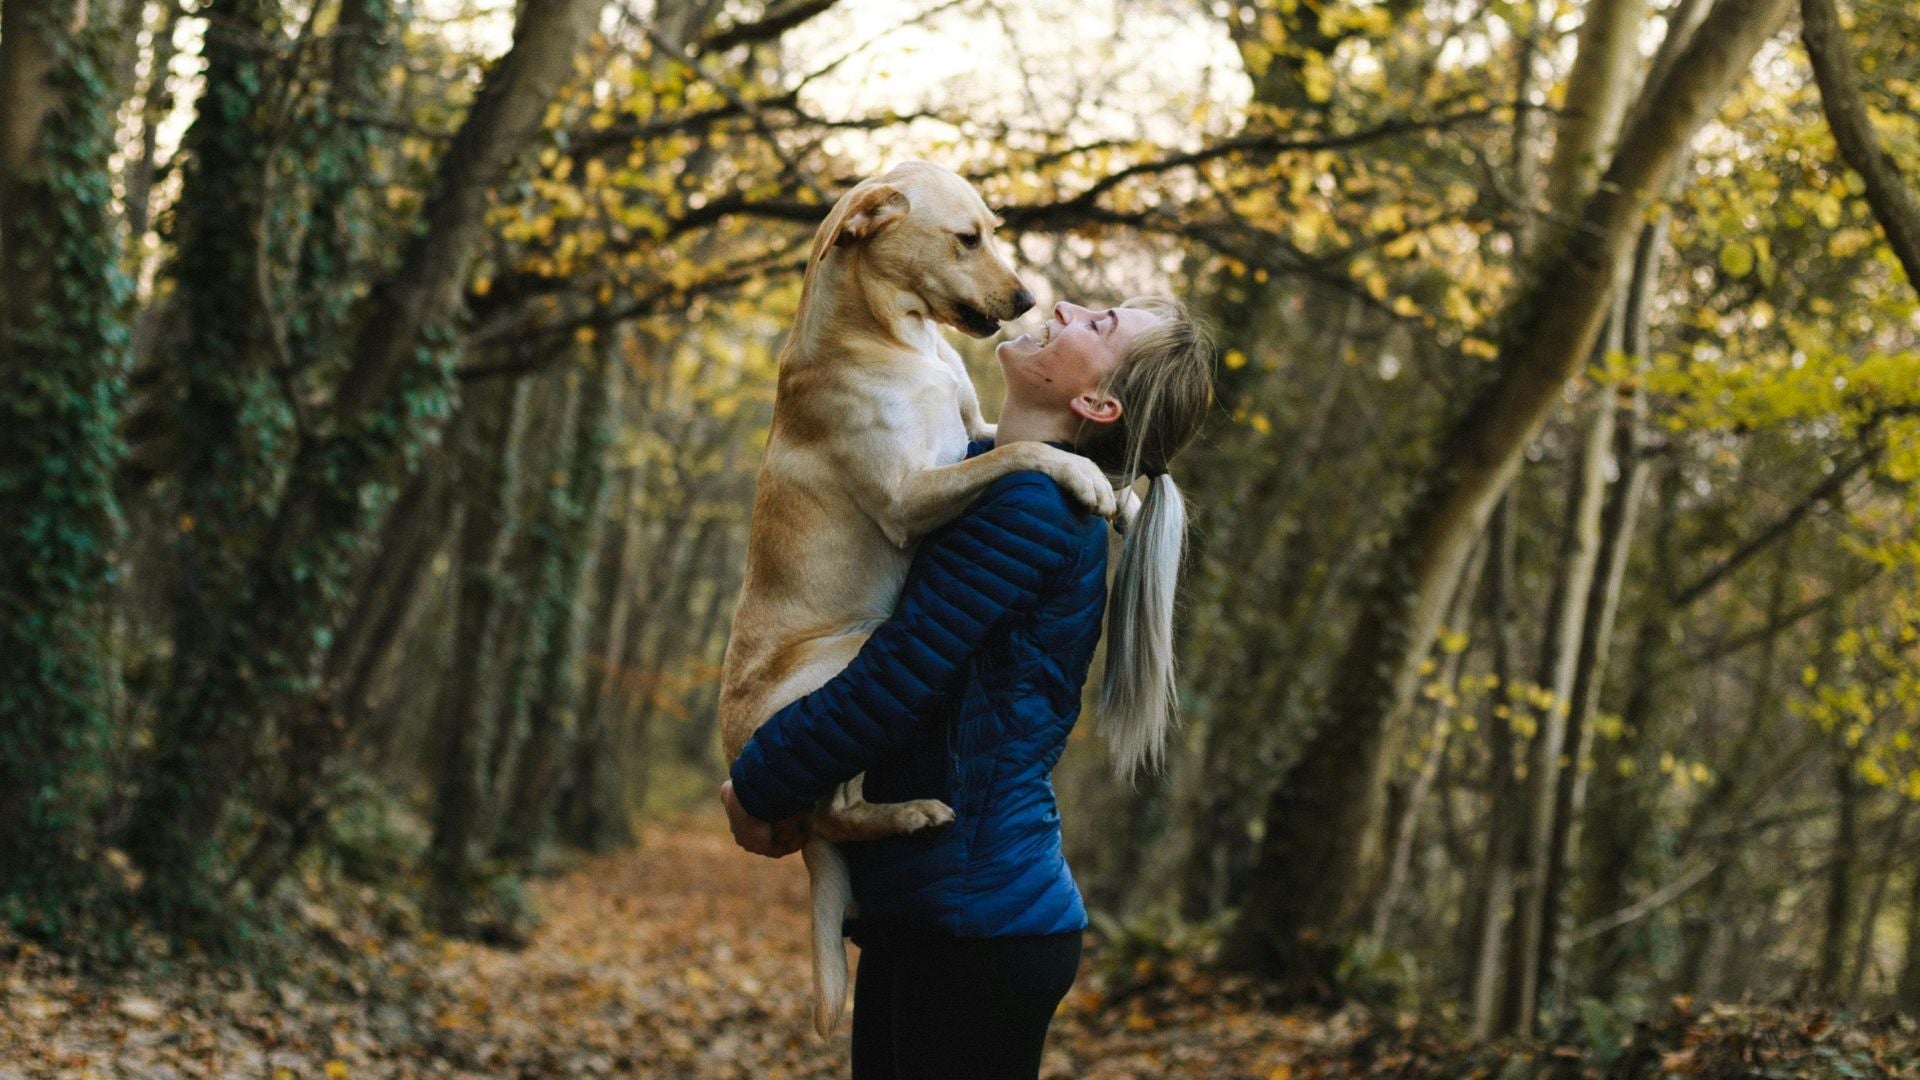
column 832, row 888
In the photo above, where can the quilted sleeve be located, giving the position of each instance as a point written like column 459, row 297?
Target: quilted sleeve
column 991, row 561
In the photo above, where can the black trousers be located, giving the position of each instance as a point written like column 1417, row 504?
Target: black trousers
column 933, row 1007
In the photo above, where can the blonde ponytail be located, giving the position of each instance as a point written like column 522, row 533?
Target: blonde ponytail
column 1138, row 700
column 1165, row 387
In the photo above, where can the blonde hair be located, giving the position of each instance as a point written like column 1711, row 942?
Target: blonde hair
column 1164, row 385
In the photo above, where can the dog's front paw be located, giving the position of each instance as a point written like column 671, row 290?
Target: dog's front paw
column 1084, row 482
column 924, row 814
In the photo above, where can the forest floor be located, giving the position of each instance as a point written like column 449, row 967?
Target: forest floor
column 686, row 958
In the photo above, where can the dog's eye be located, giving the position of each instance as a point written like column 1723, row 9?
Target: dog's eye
column 969, row 239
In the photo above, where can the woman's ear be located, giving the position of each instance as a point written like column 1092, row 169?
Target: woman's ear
column 1095, row 407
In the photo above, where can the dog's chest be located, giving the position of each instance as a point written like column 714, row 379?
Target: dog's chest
column 922, row 417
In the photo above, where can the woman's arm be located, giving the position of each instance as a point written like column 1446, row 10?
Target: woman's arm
column 992, row 561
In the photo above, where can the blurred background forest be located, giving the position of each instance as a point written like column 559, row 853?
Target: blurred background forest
column 384, row 382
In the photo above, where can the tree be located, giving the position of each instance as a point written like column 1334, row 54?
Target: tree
column 391, row 400
column 63, row 363
column 1325, row 813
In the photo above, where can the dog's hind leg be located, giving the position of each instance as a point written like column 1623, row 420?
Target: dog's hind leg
column 848, row 816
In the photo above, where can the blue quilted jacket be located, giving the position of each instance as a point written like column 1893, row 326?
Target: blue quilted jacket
column 966, row 694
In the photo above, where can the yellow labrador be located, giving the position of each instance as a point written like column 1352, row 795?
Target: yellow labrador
column 870, row 425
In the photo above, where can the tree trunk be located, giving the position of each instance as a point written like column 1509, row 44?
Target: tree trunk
column 1559, row 655
column 1883, row 868
column 414, row 533
column 1325, row 811
column 391, row 402
column 1619, row 818
column 156, row 101
column 1907, row 992
column 1596, row 635
column 708, row 642
column 63, row 362
column 1400, row 842
column 553, row 715
column 546, row 444
column 1215, row 789
column 465, row 713
column 1841, row 875
column 1597, row 92
column 1482, row 932
column 1486, row 934
column 235, row 423
column 663, row 644
column 1844, row 854
column 594, row 813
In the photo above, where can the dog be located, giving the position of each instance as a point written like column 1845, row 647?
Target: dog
column 871, row 417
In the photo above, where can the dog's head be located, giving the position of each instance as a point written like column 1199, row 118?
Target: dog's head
column 923, row 230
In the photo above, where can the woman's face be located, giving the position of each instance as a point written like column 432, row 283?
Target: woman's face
column 1063, row 364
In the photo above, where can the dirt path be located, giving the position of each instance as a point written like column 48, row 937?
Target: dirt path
column 688, row 959
column 683, row 959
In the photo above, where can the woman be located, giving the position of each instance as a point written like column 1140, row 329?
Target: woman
column 970, row 935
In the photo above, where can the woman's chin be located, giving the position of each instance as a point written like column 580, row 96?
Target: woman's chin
column 1014, row 348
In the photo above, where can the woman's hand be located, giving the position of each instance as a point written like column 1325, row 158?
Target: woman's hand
column 773, row 840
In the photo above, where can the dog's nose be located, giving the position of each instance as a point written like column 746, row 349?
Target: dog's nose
column 1022, row 302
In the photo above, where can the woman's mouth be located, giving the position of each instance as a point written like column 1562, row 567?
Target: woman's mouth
column 1038, row 338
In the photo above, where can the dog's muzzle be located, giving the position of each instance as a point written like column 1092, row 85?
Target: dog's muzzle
column 976, row 322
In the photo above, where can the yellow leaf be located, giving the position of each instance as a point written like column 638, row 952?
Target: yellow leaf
column 1316, row 78
column 1235, row 359
column 1736, row 258
column 336, row 1069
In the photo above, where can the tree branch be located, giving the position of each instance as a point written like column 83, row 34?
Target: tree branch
column 1823, row 491
column 766, row 29
column 1892, row 201
column 1646, row 905
column 1271, row 142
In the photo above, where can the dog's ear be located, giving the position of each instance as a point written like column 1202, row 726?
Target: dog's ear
column 872, row 210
